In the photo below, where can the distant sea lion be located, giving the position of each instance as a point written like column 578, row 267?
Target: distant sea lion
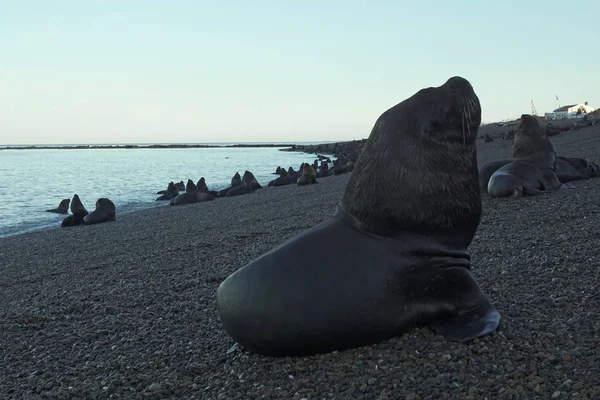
column 190, row 187
column 105, row 211
column 532, row 170
column 201, row 185
column 78, row 212
column 191, row 197
column 249, row 185
column 77, row 208
column 236, row 181
column 277, row 171
column 567, row 169
column 63, row 207
column 285, row 178
column 309, row 175
column 400, row 256
column 180, row 186
column 170, row 193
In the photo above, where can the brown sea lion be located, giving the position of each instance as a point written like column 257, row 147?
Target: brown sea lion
column 400, row 256
column 191, row 187
column 171, row 192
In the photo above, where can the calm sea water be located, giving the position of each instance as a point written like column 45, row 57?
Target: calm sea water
column 32, row 181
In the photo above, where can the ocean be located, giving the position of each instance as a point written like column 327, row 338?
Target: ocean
column 34, row 180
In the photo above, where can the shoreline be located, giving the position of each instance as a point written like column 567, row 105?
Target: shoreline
column 141, row 146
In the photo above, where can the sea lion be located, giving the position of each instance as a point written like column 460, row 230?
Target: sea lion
column 105, row 211
column 78, row 212
column 309, row 175
column 201, row 185
column 190, row 187
column 71, row 220
column 532, row 170
column 249, row 185
column 63, row 207
column 400, row 256
column 285, row 178
column 568, row 169
column 277, row 171
column 77, row 208
column 191, row 197
column 180, row 186
column 236, row 181
column 169, row 193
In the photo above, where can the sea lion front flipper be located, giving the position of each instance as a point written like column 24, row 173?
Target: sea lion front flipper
column 549, row 179
column 478, row 321
column 469, row 313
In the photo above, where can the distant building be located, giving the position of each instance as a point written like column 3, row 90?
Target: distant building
column 571, row 111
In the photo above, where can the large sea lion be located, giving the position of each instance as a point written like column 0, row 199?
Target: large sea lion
column 532, row 170
column 399, row 258
column 63, row 207
column 309, row 175
column 105, row 211
column 568, row 169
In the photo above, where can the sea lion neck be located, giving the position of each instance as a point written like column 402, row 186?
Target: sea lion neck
column 433, row 243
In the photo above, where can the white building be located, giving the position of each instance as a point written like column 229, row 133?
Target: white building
column 571, row 111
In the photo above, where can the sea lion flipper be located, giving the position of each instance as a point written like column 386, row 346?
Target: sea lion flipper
column 478, row 321
column 549, row 180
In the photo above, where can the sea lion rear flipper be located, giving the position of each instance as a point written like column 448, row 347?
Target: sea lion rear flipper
column 476, row 322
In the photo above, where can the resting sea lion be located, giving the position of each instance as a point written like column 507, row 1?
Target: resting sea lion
column 400, row 256
column 191, row 197
column 180, row 186
column 249, row 185
column 105, row 211
column 63, row 207
column 532, row 170
column 567, row 169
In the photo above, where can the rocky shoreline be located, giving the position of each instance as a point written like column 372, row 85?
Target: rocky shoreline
column 127, row 309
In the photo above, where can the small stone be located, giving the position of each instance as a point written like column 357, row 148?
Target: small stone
column 454, row 385
column 48, row 385
column 33, row 381
column 472, row 391
column 372, row 381
column 154, row 387
column 556, row 395
column 411, row 396
column 567, row 357
column 566, row 386
column 446, row 357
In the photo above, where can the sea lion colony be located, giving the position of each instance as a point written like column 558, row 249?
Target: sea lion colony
column 404, row 234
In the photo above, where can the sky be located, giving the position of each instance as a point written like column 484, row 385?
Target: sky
column 152, row 71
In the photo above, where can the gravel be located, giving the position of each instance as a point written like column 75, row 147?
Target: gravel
column 126, row 310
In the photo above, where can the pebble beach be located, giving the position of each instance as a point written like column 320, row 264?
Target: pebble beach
column 126, row 310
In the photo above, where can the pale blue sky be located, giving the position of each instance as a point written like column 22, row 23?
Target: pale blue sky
column 217, row 71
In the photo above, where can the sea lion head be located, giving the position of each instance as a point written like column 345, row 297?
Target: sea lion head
column 532, row 142
column 418, row 169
